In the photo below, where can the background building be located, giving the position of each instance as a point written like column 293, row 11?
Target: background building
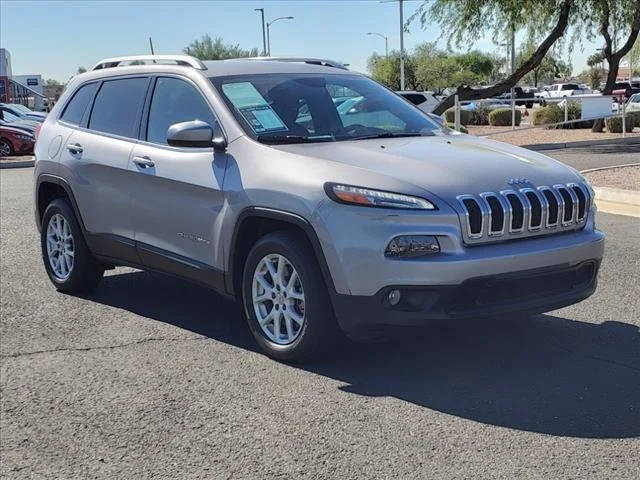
column 25, row 89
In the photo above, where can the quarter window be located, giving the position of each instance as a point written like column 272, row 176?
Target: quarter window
column 74, row 111
column 175, row 101
column 117, row 106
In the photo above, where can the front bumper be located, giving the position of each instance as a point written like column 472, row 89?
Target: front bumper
column 531, row 291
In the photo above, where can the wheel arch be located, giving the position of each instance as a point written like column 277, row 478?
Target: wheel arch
column 48, row 188
column 255, row 222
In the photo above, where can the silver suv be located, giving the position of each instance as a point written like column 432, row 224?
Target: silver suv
column 321, row 200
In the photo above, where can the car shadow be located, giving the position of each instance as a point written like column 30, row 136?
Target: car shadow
column 546, row 374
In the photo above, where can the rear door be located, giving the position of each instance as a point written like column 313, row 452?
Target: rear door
column 178, row 195
column 97, row 156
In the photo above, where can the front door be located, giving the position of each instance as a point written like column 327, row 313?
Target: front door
column 178, row 195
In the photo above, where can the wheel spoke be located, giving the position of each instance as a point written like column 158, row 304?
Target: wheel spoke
column 276, row 326
column 292, row 281
column 262, row 281
column 296, row 317
column 266, row 319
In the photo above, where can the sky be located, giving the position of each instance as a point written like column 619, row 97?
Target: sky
column 54, row 38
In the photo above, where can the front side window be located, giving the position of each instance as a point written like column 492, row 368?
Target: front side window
column 118, row 105
column 295, row 108
column 76, row 107
column 174, row 101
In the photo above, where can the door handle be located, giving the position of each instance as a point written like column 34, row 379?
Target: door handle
column 143, row 162
column 74, row 148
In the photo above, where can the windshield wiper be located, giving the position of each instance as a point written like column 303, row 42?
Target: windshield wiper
column 284, row 139
column 391, row 135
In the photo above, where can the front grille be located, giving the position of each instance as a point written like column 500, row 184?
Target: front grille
column 524, row 212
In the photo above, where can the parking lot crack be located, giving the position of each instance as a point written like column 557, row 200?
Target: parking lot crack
column 99, row 347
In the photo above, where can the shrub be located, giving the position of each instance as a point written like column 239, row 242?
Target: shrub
column 463, row 129
column 634, row 117
column 614, row 124
column 480, row 115
column 554, row 113
column 465, row 116
column 502, row 117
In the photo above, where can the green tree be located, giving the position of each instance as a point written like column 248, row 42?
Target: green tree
column 51, row 82
column 207, row 48
column 550, row 68
column 386, row 70
column 595, row 78
column 618, row 23
column 633, row 58
column 81, row 70
column 466, row 21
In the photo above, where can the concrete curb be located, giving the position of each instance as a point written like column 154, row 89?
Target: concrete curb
column 583, row 143
column 27, row 163
column 599, row 169
column 618, row 201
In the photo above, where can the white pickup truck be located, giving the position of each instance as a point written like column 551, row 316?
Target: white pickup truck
column 561, row 90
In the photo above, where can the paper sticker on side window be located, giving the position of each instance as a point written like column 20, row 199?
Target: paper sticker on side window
column 253, row 107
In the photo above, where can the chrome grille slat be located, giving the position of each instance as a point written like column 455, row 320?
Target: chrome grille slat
column 483, row 212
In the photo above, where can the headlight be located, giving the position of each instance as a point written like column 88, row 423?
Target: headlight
column 24, row 137
column 375, row 198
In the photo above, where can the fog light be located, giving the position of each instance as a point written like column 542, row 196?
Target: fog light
column 412, row 246
column 394, row 297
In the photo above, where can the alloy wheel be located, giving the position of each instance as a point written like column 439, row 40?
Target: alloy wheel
column 60, row 247
column 278, row 299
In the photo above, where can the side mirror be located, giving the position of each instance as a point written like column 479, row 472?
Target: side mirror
column 196, row 134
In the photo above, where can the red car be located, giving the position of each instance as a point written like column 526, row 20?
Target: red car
column 15, row 141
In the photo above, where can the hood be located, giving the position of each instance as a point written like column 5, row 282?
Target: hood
column 447, row 165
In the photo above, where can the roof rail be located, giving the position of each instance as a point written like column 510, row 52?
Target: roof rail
column 185, row 60
column 310, row 60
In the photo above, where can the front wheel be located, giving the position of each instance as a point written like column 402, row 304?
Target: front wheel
column 285, row 299
column 67, row 259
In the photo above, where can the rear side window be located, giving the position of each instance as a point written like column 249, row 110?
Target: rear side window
column 76, row 107
column 117, row 106
column 175, row 101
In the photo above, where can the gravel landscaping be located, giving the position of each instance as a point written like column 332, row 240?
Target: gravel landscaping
column 541, row 135
column 626, row 178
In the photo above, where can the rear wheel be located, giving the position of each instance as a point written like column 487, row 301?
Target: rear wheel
column 285, row 298
column 6, row 149
column 67, row 259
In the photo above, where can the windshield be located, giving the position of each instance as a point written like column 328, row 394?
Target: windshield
column 295, row 108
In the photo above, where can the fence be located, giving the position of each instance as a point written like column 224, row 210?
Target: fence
column 596, row 105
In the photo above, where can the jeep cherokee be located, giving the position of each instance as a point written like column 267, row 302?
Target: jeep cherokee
column 321, row 200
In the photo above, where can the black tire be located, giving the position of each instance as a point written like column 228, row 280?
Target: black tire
column 6, row 148
column 319, row 327
column 87, row 271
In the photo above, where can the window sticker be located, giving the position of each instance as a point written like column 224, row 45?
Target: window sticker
column 253, row 107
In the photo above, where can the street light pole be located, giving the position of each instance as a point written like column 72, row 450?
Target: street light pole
column 386, row 42
column 401, row 46
column 268, row 32
column 264, row 36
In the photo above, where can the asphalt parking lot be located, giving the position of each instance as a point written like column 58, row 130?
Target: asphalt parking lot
column 151, row 377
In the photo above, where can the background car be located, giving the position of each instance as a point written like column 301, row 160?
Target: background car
column 425, row 101
column 490, row 104
column 14, row 141
column 23, row 112
column 11, row 113
column 519, row 94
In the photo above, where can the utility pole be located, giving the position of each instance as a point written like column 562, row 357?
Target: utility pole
column 264, row 34
column 151, row 46
column 401, row 40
